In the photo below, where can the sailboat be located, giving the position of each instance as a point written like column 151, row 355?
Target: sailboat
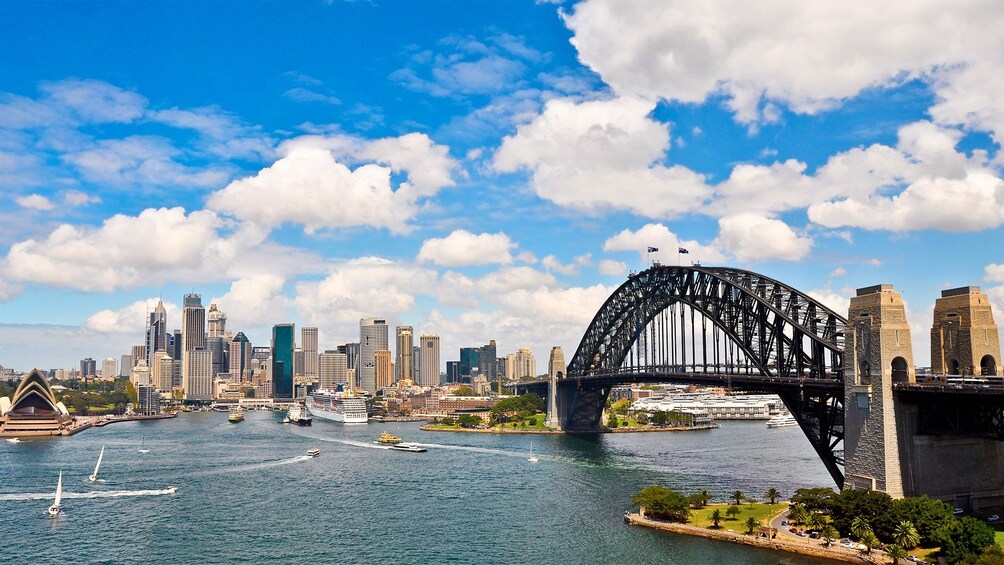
column 141, row 450
column 533, row 458
column 94, row 476
column 53, row 510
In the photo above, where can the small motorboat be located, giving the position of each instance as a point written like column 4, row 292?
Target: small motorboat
column 408, row 447
column 13, row 440
column 313, row 452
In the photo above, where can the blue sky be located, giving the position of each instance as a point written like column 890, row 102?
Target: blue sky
column 480, row 170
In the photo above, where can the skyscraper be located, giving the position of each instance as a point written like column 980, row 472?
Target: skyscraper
column 351, row 351
column 468, row 361
column 429, row 374
column 486, row 361
column 88, row 368
column 109, row 368
column 372, row 337
column 334, row 370
column 308, row 341
column 453, row 371
column 156, row 332
column 405, row 366
column 193, row 336
column 138, row 354
column 174, row 350
column 240, row 358
column 526, row 365
column 125, row 365
column 383, row 369
column 162, row 371
column 198, row 374
column 219, row 347
column 283, row 344
column 217, row 322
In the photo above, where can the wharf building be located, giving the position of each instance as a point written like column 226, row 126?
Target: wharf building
column 716, row 406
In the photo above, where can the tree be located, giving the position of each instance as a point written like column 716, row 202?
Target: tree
column 829, row 533
column 872, row 505
column 738, row 496
column 716, row 518
column 662, row 503
column 814, row 498
column 751, row 524
column 869, row 540
column 992, row 555
column 705, row 496
column 660, row 417
column 859, row 527
column 816, row 521
column 796, row 513
column 961, row 538
column 772, row 495
column 905, row 535
column 469, row 421
column 463, row 390
column 612, row 421
column 732, row 511
column 621, row 406
column 895, row 553
column 696, row 500
column 449, row 422
column 925, row 514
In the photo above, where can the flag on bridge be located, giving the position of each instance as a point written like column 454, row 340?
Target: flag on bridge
column 653, row 249
column 682, row 250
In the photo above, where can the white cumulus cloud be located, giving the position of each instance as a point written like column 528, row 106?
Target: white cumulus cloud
column 463, row 248
column 755, row 238
column 131, row 319
column 667, row 242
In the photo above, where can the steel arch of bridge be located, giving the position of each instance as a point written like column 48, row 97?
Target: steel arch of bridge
column 793, row 343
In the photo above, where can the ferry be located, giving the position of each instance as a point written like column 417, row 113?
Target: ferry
column 236, row 416
column 408, row 447
column 313, row 452
column 342, row 407
column 386, row 438
column 782, row 420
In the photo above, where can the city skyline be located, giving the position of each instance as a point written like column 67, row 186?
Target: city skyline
column 486, row 172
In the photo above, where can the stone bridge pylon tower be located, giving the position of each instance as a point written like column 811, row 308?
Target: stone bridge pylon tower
column 880, row 353
column 964, row 337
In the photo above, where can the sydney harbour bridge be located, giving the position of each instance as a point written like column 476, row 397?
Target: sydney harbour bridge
column 745, row 331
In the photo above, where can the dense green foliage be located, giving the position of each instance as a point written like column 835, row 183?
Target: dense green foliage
column 962, row 538
column 873, row 506
column 97, row 397
column 517, row 408
column 814, row 498
column 463, row 390
column 469, row 421
column 662, row 503
column 927, row 515
column 992, row 555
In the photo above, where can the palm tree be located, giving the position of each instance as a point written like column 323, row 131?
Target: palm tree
column 796, row 513
column 905, row 535
column 738, row 496
column 816, row 521
column 859, row 526
column 716, row 518
column 705, row 497
column 829, row 533
column 869, row 540
column 895, row 553
column 772, row 495
column 751, row 524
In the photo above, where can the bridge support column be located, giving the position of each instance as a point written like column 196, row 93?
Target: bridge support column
column 553, row 416
column 878, row 340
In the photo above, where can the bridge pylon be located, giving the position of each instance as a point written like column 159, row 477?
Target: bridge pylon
column 964, row 337
column 878, row 337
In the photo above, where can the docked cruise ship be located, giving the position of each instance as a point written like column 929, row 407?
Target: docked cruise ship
column 337, row 406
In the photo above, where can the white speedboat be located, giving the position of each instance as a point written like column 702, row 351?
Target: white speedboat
column 53, row 510
column 408, row 447
column 94, row 476
column 782, row 421
column 13, row 440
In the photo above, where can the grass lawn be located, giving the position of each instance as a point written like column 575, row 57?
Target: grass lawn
column 999, row 535
column 759, row 510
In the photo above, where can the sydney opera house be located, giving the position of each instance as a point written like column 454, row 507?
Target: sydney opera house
column 33, row 410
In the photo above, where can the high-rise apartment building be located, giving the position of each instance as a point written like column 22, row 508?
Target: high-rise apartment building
column 509, row 368
column 240, row 358
column 429, row 374
column 217, row 326
column 193, row 336
column 156, row 332
column 283, row 344
column 372, row 338
column 308, row 341
column 526, row 365
column 198, row 374
column 125, row 365
column 333, row 369
column 109, row 367
column 384, row 369
column 405, row 366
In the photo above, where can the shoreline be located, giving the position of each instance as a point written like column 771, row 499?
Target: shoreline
column 833, row 553
column 81, row 425
column 430, row 428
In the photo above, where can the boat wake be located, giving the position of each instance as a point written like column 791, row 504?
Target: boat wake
column 356, row 443
column 251, row 466
column 96, row 494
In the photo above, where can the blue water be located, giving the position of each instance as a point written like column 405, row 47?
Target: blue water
column 248, row 493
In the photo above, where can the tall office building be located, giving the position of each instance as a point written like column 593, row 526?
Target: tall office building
column 416, row 363
column 429, row 343
column 526, row 365
column 384, row 373
column 283, row 344
column 486, row 361
column 193, row 336
column 88, row 368
column 109, row 368
column 308, row 341
column 217, row 322
column 156, row 332
column 297, row 365
column 351, row 351
column 162, row 371
column 333, row 369
column 174, row 350
column 372, row 338
column 219, row 346
column 405, row 366
column 138, row 354
column 240, row 358
column 453, row 371
column 125, row 366
column 198, row 374
column 468, row 361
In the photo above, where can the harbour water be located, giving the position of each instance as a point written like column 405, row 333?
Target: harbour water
column 249, row 493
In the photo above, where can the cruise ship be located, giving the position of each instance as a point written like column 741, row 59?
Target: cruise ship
column 782, row 420
column 337, row 406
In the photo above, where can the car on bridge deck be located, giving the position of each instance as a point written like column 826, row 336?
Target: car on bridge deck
column 994, row 518
column 957, row 511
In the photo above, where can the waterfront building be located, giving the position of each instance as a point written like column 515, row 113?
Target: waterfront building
column 240, row 357
column 217, row 322
column 405, row 366
column 88, row 368
column 556, row 363
column 334, row 369
column 372, row 338
column 526, row 365
column 198, row 374
column 109, row 368
column 33, row 409
column 308, row 341
column 147, row 400
column 429, row 373
column 193, row 336
column 468, row 361
column 156, row 332
column 283, row 345
column 384, row 372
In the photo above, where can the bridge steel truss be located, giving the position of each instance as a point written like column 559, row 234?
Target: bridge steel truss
column 764, row 336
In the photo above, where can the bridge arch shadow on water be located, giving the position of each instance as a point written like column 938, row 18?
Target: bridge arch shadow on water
column 713, row 326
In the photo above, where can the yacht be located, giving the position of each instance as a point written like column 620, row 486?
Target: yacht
column 408, row 447
column 141, row 448
column 782, row 420
column 387, row 439
column 532, row 458
column 94, row 476
column 298, row 415
column 343, row 407
column 53, row 510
